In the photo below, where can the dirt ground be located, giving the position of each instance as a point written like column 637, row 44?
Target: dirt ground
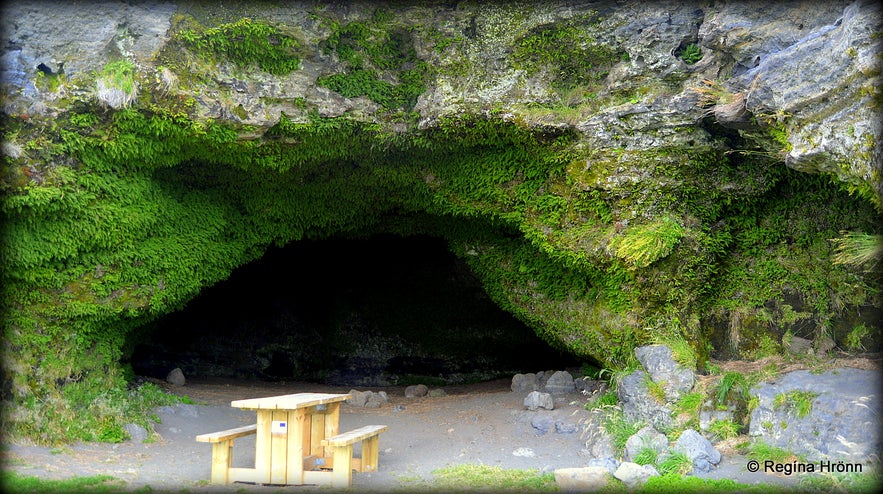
column 482, row 423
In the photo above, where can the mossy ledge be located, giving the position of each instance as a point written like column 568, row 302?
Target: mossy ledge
column 600, row 237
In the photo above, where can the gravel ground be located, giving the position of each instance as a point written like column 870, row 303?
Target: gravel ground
column 478, row 424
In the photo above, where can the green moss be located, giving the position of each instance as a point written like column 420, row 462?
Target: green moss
column 155, row 207
column 374, row 52
column 567, row 51
column 244, row 42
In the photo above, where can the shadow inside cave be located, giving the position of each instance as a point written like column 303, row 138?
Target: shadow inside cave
column 386, row 310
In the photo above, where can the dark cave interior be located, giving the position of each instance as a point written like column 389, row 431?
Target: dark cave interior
column 384, row 310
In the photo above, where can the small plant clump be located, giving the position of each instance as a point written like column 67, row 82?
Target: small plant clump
column 798, row 401
column 245, row 42
column 116, row 84
column 725, row 429
column 691, row 54
column 677, row 463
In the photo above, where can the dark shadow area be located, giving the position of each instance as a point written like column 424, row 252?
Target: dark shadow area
column 379, row 311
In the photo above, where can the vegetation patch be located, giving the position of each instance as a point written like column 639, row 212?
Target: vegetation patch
column 380, row 59
column 566, row 51
column 244, row 42
column 800, row 402
column 25, row 484
column 469, row 478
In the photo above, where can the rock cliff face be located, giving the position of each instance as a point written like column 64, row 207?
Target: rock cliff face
column 614, row 172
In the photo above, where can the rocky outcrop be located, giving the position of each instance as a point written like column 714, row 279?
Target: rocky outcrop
column 829, row 416
column 607, row 169
column 648, row 394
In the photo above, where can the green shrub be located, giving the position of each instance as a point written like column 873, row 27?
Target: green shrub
column 620, row 430
column 677, row 463
column 724, row 429
column 732, row 386
column 646, row 456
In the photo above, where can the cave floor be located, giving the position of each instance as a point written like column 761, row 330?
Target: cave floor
column 483, row 423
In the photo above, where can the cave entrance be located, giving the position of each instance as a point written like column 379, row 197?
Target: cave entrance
column 384, row 310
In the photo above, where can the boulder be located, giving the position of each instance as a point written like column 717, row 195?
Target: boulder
column 137, row 434
column 582, row 479
column 632, row 474
column 841, row 422
column 535, row 400
column 524, row 383
column 176, row 377
column 588, row 386
column 658, row 361
column 698, row 449
column 367, row 399
column 561, row 382
column 598, row 442
column 647, row 437
column 639, row 405
column 437, row 393
column 416, row 391
column 542, row 424
column 610, row 463
column 376, row 399
column 357, row 398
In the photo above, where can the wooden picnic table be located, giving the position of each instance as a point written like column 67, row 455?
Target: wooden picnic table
column 290, row 429
column 297, row 442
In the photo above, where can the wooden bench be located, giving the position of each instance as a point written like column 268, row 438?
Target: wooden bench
column 342, row 444
column 222, row 450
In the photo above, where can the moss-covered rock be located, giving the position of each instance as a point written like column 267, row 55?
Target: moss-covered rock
column 598, row 199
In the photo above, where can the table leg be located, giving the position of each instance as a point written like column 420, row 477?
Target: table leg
column 263, row 447
column 332, row 425
column 279, row 450
column 298, row 445
column 342, row 473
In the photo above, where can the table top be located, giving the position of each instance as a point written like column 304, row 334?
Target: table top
column 289, row 402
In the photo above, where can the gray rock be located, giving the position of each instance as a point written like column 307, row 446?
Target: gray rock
column 598, row 442
column 357, row 398
column 610, row 463
column 632, row 474
column 639, row 405
column 416, row 391
column 542, row 423
column 535, row 400
column 564, row 427
column 367, row 399
column 698, row 449
column 137, row 434
column 176, row 377
column 658, row 361
column 437, row 393
column 842, row 424
column 582, row 479
column 561, row 382
column 376, row 399
column 647, row 437
column 707, row 417
column 798, row 345
column 524, row 383
column 588, row 386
